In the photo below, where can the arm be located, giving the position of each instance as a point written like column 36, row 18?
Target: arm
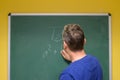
column 66, row 77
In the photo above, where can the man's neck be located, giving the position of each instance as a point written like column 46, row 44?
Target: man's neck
column 77, row 55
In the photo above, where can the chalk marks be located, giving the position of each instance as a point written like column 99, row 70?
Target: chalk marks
column 47, row 51
column 56, row 38
column 54, row 47
column 45, row 54
column 55, row 51
column 49, row 47
column 51, row 50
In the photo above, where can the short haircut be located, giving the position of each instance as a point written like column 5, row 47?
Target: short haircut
column 73, row 36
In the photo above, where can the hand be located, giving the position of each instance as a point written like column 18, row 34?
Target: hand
column 65, row 55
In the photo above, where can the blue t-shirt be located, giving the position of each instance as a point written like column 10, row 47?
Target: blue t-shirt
column 87, row 68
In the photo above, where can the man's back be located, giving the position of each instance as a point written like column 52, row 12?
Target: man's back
column 87, row 68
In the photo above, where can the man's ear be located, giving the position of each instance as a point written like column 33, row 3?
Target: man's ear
column 64, row 45
column 84, row 41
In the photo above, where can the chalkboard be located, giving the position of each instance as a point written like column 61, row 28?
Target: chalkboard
column 35, row 42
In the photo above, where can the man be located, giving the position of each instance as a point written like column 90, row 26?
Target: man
column 82, row 66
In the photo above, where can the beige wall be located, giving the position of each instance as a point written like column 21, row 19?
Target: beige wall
column 60, row 6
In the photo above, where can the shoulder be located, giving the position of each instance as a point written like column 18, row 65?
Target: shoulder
column 74, row 70
column 66, row 76
column 88, row 61
column 91, row 62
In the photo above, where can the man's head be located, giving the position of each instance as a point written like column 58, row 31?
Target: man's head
column 74, row 37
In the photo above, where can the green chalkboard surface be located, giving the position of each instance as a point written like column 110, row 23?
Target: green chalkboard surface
column 36, row 42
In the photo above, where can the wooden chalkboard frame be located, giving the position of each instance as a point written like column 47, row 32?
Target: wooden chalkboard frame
column 61, row 14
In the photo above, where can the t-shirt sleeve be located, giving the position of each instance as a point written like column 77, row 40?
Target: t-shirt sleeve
column 66, row 77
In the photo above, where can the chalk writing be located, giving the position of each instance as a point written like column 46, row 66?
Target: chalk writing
column 52, row 47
